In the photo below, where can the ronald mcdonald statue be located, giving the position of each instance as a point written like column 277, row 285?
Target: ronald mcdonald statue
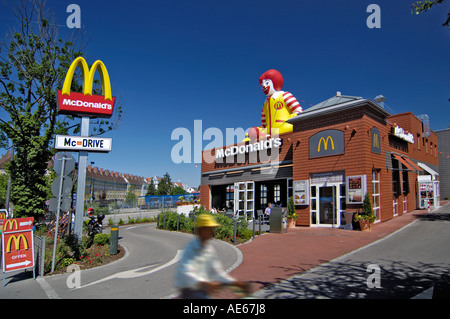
column 278, row 107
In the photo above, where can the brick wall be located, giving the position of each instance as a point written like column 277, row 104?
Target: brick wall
column 358, row 159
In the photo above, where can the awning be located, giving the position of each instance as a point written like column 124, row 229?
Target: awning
column 428, row 169
column 400, row 159
column 412, row 163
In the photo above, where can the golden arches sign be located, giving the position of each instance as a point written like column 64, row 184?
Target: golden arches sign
column 375, row 140
column 325, row 142
column 12, row 223
column 16, row 240
column 88, row 77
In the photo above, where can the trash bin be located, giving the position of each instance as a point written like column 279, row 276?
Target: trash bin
column 278, row 220
column 114, row 240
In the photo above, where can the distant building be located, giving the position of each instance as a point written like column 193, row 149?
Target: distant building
column 444, row 161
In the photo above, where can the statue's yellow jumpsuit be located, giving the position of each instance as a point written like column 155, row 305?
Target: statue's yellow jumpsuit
column 276, row 110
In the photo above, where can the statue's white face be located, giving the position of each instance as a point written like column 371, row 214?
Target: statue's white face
column 267, row 87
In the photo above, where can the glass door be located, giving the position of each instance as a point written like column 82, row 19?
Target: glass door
column 244, row 199
column 327, row 205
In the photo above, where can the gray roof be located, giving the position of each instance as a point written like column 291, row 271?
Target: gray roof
column 337, row 103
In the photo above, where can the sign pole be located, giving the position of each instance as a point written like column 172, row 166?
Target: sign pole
column 57, row 210
column 81, row 182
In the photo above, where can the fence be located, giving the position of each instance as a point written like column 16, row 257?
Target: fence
column 232, row 228
column 164, row 201
column 39, row 249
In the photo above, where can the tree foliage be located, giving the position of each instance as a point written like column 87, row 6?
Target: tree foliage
column 165, row 185
column 33, row 64
column 423, row 6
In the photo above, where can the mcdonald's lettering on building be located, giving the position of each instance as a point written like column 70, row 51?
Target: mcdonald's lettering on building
column 339, row 150
column 86, row 104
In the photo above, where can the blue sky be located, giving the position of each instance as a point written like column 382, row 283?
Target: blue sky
column 173, row 62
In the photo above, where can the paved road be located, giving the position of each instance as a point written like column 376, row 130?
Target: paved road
column 409, row 262
column 147, row 270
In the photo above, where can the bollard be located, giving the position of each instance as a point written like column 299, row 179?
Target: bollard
column 253, row 226
column 114, row 239
column 235, row 221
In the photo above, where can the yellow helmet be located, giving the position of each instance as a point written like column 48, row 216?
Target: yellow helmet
column 206, row 220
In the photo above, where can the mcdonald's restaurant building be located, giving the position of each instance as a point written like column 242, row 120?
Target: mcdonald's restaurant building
column 339, row 150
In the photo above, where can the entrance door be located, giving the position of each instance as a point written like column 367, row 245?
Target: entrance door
column 244, row 199
column 327, row 205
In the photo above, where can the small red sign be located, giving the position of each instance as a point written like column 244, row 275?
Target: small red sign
column 17, row 244
column 85, row 105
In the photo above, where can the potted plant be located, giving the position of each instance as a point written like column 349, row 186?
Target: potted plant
column 292, row 214
column 366, row 216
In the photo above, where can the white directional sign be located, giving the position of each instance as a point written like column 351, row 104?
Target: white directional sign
column 83, row 143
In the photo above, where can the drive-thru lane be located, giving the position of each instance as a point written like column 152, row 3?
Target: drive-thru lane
column 146, row 271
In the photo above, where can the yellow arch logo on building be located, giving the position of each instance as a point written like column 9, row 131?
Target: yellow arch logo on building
column 16, row 241
column 325, row 142
column 376, row 141
column 88, row 77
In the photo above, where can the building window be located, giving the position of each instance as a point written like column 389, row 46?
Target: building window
column 376, row 194
column 229, row 200
column 277, row 193
column 263, row 195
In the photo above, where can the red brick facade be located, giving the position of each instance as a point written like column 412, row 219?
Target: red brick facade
column 357, row 158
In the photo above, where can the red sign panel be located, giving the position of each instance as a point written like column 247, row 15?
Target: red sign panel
column 17, row 244
column 87, row 105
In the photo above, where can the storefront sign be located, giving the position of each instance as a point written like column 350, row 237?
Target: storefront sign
column 356, row 189
column 252, row 147
column 325, row 143
column 17, row 244
column 375, row 140
column 86, row 104
column 301, row 192
column 83, row 143
column 400, row 133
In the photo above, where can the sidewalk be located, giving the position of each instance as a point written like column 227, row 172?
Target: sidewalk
column 271, row 258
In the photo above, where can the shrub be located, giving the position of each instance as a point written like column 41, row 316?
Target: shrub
column 101, row 239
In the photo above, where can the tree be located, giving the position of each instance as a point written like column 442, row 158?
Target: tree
column 423, row 6
column 151, row 189
column 177, row 190
column 131, row 198
column 33, row 63
column 165, row 185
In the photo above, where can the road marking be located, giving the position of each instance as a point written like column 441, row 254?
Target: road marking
column 134, row 273
column 51, row 294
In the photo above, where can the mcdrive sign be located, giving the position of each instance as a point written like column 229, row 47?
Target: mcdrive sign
column 86, row 104
column 83, row 143
column 17, row 244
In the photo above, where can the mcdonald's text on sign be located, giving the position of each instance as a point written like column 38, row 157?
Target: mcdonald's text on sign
column 86, row 104
column 83, row 143
column 17, row 244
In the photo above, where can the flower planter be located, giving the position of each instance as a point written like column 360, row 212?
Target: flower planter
column 186, row 209
column 365, row 225
column 291, row 223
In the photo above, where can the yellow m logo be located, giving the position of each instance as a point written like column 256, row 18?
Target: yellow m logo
column 16, row 241
column 11, row 223
column 376, row 141
column 325, row 142
column 88, row 77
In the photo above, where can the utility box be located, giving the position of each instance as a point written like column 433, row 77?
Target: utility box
column 114, row 240
column 278, row 220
